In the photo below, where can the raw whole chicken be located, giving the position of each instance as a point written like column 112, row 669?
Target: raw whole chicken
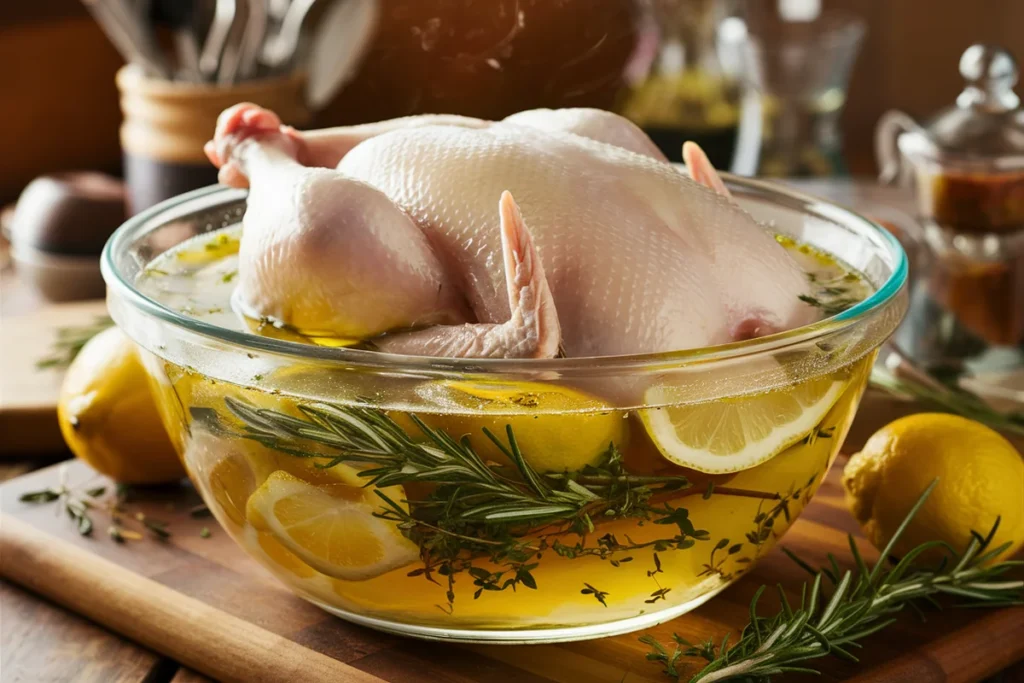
column 551, row 231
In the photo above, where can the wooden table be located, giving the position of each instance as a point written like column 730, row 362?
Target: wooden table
column 41, row 642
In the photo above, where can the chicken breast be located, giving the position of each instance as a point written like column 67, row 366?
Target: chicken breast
column 550, row 231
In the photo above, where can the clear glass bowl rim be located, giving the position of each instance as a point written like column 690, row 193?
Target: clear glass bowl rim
column 138, row 225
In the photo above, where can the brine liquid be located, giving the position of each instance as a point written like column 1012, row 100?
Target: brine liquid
column 611, row 566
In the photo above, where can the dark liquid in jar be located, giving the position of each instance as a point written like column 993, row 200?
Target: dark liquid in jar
column 977, row 203
column 978, row 275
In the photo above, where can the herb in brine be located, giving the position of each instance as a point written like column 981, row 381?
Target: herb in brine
column 485, row 512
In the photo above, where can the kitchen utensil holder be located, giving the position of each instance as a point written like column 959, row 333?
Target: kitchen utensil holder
column 167, row 123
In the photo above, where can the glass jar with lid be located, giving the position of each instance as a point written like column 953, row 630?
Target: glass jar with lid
column 967, row 167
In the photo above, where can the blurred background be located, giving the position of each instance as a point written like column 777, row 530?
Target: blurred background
column 60, row 103
column 106, row 105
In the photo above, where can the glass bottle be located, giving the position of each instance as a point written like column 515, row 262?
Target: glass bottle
column 799, row 57
column 686, row 95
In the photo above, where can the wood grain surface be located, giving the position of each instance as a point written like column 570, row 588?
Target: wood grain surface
column 44, row 642
column 28, row 394
column 952, row 646
column 156, row 616
column 57, row 93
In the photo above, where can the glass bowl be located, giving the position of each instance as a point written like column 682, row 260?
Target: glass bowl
column 369, row 484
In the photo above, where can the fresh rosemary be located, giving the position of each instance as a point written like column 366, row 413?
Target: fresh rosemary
column 480, row 512
column 862, row 602
column 948, row 397
column 70, row 341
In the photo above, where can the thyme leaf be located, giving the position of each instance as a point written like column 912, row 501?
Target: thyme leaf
column 80, row 504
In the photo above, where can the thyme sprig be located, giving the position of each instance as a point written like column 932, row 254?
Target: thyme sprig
column 862, row 602
column 80, row 503
column 832, row 294
column 70, row 341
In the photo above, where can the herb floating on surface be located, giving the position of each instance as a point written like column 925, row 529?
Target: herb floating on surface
column 829, row 307
column 70, row 341
column 862, row 602
column 833, row 295
column 79, row 506
column 507, row 515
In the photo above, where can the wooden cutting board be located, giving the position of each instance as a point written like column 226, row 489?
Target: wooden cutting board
column 28, row 393
column 952, row 646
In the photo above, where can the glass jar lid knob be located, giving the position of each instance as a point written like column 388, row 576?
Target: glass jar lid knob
column 990, row 73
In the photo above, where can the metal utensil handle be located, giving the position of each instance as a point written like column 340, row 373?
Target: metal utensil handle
column 188, row 53
column 223, row 18
column 282, row 47
column 118, row 26
column 253, row 38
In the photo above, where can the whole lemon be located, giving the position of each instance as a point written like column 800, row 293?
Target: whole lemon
column 981, row 477
column 108, row 416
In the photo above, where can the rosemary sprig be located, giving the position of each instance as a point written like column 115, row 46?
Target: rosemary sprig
column 479, row 512
column 76, row 504
column 70, row 341
column 488, row 492
column 947, row 397
column 862, row 602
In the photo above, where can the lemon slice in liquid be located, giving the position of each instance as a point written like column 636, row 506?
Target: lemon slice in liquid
column 729, row 435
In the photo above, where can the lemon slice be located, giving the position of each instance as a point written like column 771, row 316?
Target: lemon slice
column 557, row 428
column 231, row 483
column 735, row 434
column 330, row 527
